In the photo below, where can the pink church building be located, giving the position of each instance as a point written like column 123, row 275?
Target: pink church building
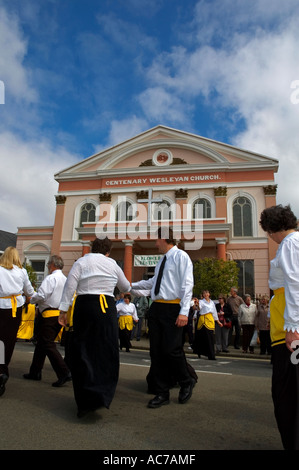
column 211, row 194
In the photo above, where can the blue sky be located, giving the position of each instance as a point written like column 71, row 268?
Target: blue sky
column 80, row 76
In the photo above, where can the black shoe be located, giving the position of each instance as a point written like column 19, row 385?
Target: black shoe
column 32, row 376
column 158, row 400
column 3, row 380
column 186, row 392
column 62, row 381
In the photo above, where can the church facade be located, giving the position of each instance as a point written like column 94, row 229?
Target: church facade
column 211, row 194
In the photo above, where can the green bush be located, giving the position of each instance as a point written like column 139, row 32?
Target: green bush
column 215, row 275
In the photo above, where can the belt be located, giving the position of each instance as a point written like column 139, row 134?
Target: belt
column 14, row 304
column 174, row 301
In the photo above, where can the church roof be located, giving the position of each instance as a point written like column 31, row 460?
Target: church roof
column 181, row 149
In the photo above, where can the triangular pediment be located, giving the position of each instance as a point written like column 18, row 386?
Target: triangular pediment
column 163, row 148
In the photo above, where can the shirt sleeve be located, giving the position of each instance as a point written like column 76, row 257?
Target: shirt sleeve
column 289, row 263
column 27, row 287
column 134, row 313
column 43, row 292
column 187, row 283
column 70, row 287
column 123, row 284
column 144, row 285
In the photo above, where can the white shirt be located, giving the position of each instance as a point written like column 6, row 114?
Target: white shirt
column 284, row 272
column 50, row 292
column 207, row 307
column 127, row 310
column 96, row 274
column 177, row 280
column 247, row 314
column 16, row 282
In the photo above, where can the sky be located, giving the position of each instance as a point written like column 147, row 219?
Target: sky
column 79, row 76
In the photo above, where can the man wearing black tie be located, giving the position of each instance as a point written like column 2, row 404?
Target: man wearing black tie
column 171, row 290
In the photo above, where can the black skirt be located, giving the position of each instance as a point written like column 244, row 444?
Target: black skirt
column 93, row 352
column 204, row 343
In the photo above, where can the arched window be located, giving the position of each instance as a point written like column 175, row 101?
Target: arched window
column 242, row 217
column 201, row 209
column 162, row 211
column 124, row 211
column 87, row 214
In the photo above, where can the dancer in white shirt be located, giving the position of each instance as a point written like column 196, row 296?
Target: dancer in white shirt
column 281, row 225
column 127, row 315
column 94, row 348
column 47, row 299
column 14, row 282
column 168, row 315
column 204, row 330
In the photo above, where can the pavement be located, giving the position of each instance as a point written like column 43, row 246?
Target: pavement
column 232, row 352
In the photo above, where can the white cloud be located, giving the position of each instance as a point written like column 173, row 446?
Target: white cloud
column 241, row 65
column 27, row 164
column 13, row 50
column 160, row 105
column 27, row 181
column 125, row 129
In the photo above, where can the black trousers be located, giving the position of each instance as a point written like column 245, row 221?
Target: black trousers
column 48, row 329
column 168, row 362
column 9, row 327
column 265, row 341
column 285, row 394
column 236, row 326
column 125, row 339
column 94, row 352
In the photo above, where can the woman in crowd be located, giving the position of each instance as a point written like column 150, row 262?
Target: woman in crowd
column 281, row 225
column 14, row 284
column 221, row 332
column 93, row 351
column 263, row 325
column 204, row 332
column 247, row 314
column 127, row 315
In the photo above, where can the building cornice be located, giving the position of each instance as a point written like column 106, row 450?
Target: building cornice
column 163, row 137
column 169, row 170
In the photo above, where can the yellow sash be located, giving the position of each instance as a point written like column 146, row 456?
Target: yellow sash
column 277, row 307
column 13, row 299
column 103, row 302
column 69, row 315
column 50, row 313
column 206, row 320
column 26, row 327
column 174, row 301
column 125, row 321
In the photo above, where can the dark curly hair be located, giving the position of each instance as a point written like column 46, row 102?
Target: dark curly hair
column 101, row 245
column 278, row 218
